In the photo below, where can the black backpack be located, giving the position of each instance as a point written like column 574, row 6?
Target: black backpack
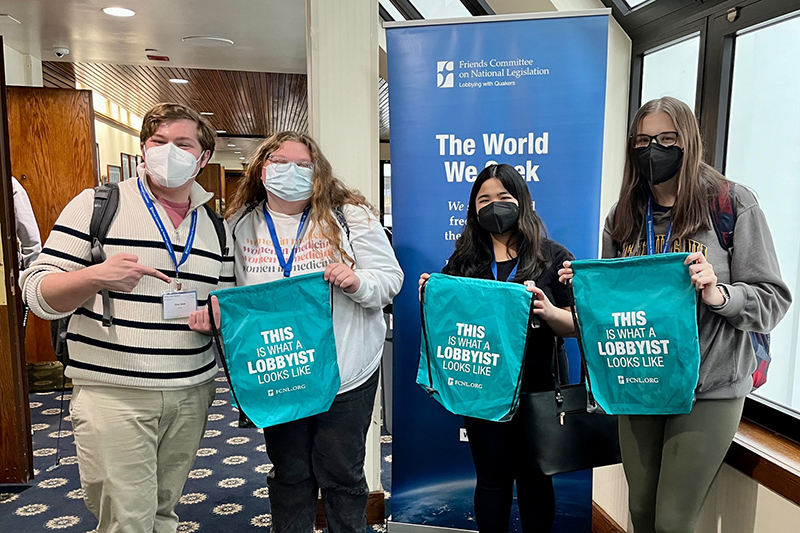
column 106, row 202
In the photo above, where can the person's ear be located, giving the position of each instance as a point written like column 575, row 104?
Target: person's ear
column 204, row 158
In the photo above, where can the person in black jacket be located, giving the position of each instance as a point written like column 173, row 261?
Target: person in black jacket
column 504, row 239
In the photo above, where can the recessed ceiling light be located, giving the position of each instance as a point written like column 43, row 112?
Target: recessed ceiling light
column 241, row 157
column 118, row 12
column 206, row 113
column 237, row 152
column 179, row 80
column 206, row 41
column 222, row 131
column 231, row 146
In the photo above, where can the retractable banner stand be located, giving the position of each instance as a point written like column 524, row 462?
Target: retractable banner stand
column 527, row 90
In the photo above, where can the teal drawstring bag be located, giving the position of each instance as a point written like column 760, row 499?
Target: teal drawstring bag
column 473, row 344
column 637, row 330
column 278, row 348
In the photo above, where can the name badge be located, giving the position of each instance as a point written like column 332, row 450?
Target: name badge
column 178, row 304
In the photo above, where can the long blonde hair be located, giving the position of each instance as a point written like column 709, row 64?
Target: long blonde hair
column 698, row 182
column 328, row 192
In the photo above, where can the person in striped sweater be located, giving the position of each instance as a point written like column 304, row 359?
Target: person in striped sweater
column 143, row 386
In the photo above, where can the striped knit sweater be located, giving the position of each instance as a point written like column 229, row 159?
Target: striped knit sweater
column 140, row 349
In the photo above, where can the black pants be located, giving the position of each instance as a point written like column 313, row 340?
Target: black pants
column 325, row 451
column 500, row 458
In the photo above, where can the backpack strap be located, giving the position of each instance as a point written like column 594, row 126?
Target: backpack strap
column 219, row 227
column 339, row 212
column 106, row 203
column 723, row 216
column 247, row 211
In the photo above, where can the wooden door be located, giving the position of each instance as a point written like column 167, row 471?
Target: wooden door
column 233, row 180
column 51, row 135
column 212, row 178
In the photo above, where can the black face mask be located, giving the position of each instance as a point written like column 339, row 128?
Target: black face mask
column 657, row 163
column 498, row 217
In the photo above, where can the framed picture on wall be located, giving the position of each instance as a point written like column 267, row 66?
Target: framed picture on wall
column 114, row 173
column 126, row 166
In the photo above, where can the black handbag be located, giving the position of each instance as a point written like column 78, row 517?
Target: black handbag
column 561, row 435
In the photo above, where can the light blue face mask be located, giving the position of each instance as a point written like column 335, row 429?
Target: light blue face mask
column 288, row 181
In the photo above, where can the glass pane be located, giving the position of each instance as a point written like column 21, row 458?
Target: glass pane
column 762, row 153
column 389, row 6
column 634, row 3
column 387, row 195
column 672, row 71
column 441, row 9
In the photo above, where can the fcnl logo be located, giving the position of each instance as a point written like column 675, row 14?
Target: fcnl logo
column 444, row 74
column 450, row 381
column 638, row 381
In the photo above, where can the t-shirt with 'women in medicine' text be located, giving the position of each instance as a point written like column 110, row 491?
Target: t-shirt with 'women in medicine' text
column 256, row 260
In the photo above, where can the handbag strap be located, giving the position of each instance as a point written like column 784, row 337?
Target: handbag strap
column 584, row 366
column 425, row 339
column 215, row 334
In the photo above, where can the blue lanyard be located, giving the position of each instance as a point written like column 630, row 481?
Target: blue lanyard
column 494, row 267
column 651, row 237
column 276, row 243
column 165, row 236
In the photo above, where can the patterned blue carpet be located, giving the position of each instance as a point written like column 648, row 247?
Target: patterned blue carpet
column 226, row 490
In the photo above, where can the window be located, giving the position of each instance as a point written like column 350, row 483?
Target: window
column 762, row 153
column 391, row 9
column 438, row 9
column 386, row 198
column 740, row 57
column 671, row 70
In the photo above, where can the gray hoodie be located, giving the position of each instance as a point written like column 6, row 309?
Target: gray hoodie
column 749, row 272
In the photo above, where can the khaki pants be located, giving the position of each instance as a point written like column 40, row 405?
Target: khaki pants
column 135, row 449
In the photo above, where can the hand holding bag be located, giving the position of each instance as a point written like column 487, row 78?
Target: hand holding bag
column 471, row 356
column 278, row 348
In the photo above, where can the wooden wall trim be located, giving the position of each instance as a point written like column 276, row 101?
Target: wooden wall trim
column 769, row 458
column 602, row 521
column 105, row 119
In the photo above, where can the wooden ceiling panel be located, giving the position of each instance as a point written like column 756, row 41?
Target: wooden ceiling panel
column 251, row 104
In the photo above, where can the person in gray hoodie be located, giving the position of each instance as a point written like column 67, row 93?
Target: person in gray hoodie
column 671, row 461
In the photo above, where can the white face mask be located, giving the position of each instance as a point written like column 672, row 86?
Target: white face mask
column 169, row 166
column 288, row 181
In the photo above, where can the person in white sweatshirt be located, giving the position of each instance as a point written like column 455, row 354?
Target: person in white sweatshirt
column 144, row 382
column 28, row 238
column 291, row 216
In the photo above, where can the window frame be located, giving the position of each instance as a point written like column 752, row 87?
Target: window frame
column 665, row 21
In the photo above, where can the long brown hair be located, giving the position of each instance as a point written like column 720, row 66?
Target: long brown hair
column 473, row 254
column 328, row 192
column 698, row 182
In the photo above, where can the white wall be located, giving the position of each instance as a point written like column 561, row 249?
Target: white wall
column 113, row 141
column 116, row 130
column 22, row 69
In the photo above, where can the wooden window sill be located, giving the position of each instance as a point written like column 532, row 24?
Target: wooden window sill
column 769, row 458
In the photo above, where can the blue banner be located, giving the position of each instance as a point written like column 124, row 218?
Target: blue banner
column 528, row 92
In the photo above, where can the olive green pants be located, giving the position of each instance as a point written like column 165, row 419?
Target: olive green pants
column 671, row 461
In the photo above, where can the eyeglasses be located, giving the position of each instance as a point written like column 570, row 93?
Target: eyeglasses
column 278, row 160
column 665, row 138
